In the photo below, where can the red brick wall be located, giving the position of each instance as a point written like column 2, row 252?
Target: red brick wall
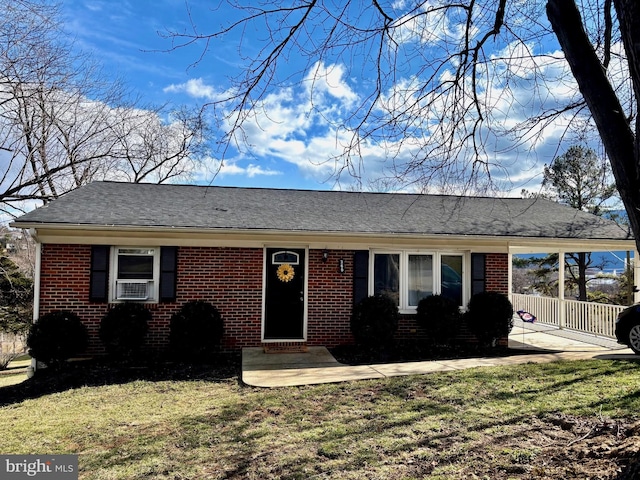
column 64, row 285
column 231, row 279
column 497, row 273
column 330, row 298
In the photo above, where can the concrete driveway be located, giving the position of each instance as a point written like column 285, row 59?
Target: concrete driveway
column 317, row 365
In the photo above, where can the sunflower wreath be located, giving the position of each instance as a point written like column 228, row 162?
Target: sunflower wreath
column 285, row 272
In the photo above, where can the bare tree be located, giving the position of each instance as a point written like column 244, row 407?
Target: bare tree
column 148, row 149
column 441, row 78
column 63, row 124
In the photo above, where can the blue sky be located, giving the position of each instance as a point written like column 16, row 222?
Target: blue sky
column 290, row 148
column 127, row 39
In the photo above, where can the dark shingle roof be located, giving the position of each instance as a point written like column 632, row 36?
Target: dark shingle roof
column 150, row 205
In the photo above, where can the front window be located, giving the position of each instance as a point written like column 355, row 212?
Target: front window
column 386, row 269
column 408, row 277
column 420, row 282
column 136, row 273
column 451, row 277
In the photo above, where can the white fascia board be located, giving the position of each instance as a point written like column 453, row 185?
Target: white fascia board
column 573, row 246
column 184, row 236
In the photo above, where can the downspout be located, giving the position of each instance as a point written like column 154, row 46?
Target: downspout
column 36, row 292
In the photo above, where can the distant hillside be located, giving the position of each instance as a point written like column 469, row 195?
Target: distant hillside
column 608, row 262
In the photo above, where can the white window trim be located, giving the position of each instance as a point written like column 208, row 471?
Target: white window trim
column 437, row 273
column 154, row 292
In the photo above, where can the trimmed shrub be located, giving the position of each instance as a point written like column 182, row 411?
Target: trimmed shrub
column 196, row 330
column 375, row 321
column 489, row 316
column 56, row 337
column 123, row 328
column 440, row 318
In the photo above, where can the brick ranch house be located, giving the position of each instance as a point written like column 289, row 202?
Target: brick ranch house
column 284, row 266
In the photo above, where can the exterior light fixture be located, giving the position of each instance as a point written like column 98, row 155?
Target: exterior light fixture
column 325, row 255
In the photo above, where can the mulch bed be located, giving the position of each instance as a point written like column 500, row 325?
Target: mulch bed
column 408, row 351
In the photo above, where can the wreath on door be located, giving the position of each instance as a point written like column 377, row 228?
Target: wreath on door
column 285, row 272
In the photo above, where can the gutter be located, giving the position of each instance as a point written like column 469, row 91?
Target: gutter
column 34, row 227
column 340, row 240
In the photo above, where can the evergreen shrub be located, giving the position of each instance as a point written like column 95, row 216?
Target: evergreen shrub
column 440, row 319
column 123, row 329
column 374, row 321
column 56, row 337
column 489, row 316
column 196, row 330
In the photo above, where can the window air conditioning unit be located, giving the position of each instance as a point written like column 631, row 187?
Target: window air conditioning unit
column 132, row 290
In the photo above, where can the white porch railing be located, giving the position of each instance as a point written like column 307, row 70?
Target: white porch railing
column 595, row 318
column 546, row 309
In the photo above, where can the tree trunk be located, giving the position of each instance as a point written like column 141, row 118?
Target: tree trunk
column 619, row 140
column 582, row 276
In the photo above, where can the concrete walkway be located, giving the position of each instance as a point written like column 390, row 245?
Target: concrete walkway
column 317, row 365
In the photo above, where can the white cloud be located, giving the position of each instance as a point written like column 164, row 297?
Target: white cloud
column 304, row 125
column 430, row 24
column 195, row 88
column 329, row 79
column 251, row 170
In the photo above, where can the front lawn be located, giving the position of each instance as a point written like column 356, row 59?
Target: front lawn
column 15, row 371
column 569, row 420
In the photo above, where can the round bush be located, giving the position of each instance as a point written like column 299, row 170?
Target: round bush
column 440, row 318
column 56, row 337
column 123, row 328
column 196, row 330
column 375, row 321
column 489, row 317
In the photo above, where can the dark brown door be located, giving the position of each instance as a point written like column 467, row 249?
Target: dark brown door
column 284, row 295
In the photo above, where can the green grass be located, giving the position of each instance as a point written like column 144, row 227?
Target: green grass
column 7, row 379
column 487, row 422
column 17, row 365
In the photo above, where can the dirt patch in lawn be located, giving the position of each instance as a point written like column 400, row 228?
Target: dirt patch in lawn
column 578, row 448
column 599, row 443
column 561, row 446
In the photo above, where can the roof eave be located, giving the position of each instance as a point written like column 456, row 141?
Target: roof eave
column 83, row 233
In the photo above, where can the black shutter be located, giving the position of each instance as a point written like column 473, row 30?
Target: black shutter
column 360, row 275
column 478, row 273
column 168, row 273
column 99, row 277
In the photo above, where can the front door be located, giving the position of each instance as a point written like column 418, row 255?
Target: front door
column 284, row 294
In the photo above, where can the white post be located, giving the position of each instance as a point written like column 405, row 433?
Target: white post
column 561, row 310
column 510, row 274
